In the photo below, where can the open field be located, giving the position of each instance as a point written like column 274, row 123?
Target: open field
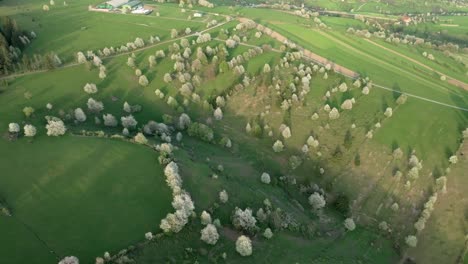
column 80, row 189
column 82, row 196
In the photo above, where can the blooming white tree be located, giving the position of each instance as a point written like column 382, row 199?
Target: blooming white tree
column 49, row 106
column 55, row 127
column 349, row 224
column 268, row 233
column 205, row 218
column 317, row 201
column 13, row 128
column 278, row 146
column 69, row 260
column 80, row 116
column 334, row 114
column 149, row 236
column 80, row 57
column 347, row 104
column 343, row 87
column 388, row 112
column 128, row 121
column 127, row 107
column 365, row 90
column 90, row 88
column 29, row 130
column 95, row 106
column 109, row 120
column 143, row 81
column 218, row 114
column 265, row 178
column 209, row 234
column 286, row 133
column 243, row 219
column 453, row 159
column 184, row 121
column 411, row 241
column 140, row 139
column 244, row 246
column 223, row 196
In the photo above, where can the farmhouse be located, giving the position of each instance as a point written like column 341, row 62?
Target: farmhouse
column 120, row 4
column 197, row 15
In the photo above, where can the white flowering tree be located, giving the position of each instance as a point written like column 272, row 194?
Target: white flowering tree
column 317, row 201
column 218, row 114
column 55, row 127
column 205, row 218
column 80, row 116
column 265, row 178
column 109, row 120
column 13, row 128
column 128, row 121
column 244, row 246
column 69, row 260
column 29, row 130
column 90, row 88
column 349, row 224
column 244, row 219
column 94, row 105
column 223, row 196
column 209, row 234
column 278, row 146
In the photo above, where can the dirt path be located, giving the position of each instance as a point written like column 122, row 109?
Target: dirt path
column 450, row 80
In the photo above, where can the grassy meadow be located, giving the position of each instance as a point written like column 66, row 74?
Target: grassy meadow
column 83, row 196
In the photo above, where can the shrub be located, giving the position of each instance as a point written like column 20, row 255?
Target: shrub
column 317, row 201
column 29, row 130
column 201, row 131
column 244, row 246
column 209, row 234
column 265, row 178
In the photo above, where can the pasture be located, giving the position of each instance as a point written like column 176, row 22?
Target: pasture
column 108, row 192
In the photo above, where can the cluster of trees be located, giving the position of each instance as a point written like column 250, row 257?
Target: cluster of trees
column 182, row 202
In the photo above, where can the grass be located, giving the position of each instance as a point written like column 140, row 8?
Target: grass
column 69, row 190
column 69, row 29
